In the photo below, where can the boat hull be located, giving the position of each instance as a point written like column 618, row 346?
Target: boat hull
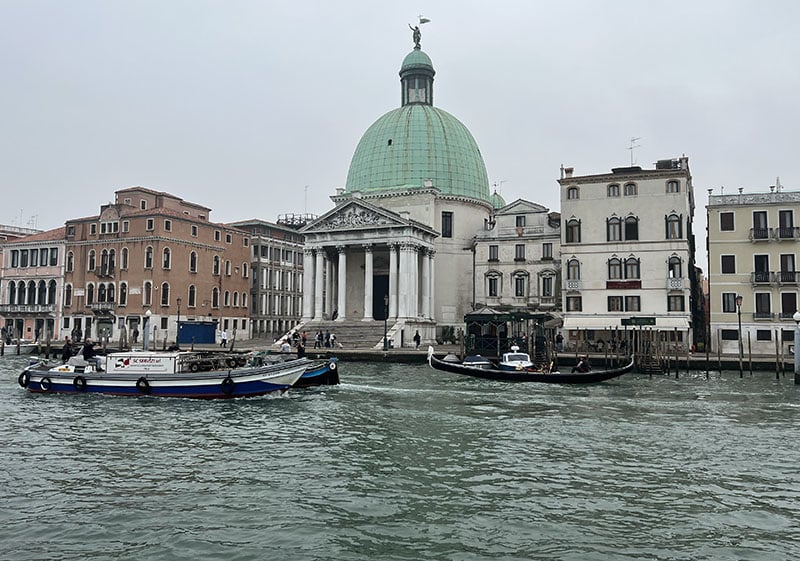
column 243, row 382
column 325, row 374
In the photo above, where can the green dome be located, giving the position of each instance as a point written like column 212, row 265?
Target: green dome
column 416, row 59
column 416, row 142
column 497, row 200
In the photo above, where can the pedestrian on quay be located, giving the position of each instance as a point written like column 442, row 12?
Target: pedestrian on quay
column 417, row 339
column 223, row 338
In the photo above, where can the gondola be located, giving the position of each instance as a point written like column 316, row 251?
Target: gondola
column 591, row 377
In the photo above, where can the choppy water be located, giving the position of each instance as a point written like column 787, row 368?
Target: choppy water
column 405, row 463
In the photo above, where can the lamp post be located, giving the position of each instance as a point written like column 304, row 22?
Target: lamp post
column 796, row 318
column 385, row 319
column 178, row 332
column 741, row 346
column 146, row 340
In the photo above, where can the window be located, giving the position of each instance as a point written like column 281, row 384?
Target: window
column 615, row 303
column 493, row 285
column 164, row 294
column 728, row 302
column 632, row 268
column 23, row 258
column 788, row 304
column 519, row 285
column 519, row 252
column 192, row 300
column 167, row 259
column 520, row 221
column 194, row 230
column 447, row 224
column 574, row 304
column 227, row 268
column 15, row 258
column 126, row 226
column 92, row 260
column 673, row 186
column 547, row 251
column 90, row 294
column 763, row 305
column 763, row 335
column 123, row 294
column 148, row 257
column 729, row 334
column 726, row 221
column 228, row 238
column 674, row 267
column 235, row 299
column 760, row 230
column 70, row 261
column 632, row 304
column 215, row 297
column 573, row 234
column 493, row 253
column 614, row 268
column 68, row 295
column 573, row 269
column 164, row 323
column 547, row 287
column 631, row 228
column 70, row 230
column 245, row 270
column 613, row 229
column 573, row 193
column 147, row 294
column 728, row 264
column 674, row 227
column 613, row 190
column 244, row 303
column 101, row 292
column 246, row 242
column 193, row 262
column 35, row 258
column 217, row 235
column 123, row 260
column 150, row 225
column 631, row 189
column 93, row 229
column 676, row 303
column 143, row 204
column 167, row 225
column 761, row 265
column 786, row 224
column 53, row 256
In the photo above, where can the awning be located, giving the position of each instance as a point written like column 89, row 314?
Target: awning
column 672, row 323
column 598, row 323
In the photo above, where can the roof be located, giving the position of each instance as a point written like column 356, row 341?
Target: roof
column 46, row 236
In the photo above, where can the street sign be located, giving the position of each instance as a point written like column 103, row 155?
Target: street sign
column 638, row 320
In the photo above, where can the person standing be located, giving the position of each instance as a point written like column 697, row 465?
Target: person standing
column 66, row 350
column 417, row 339
column 560, row 342
column 327, row 339
column 223, row 338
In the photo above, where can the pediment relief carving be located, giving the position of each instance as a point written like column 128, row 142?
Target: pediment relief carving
column 353, row 217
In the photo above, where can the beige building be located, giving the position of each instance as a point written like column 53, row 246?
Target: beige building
column 628, row 251
column 752, row 253
column 153, row 251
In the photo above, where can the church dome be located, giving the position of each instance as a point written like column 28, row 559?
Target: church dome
column 418, row 142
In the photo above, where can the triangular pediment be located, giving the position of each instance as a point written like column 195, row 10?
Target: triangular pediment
column 521, row 206
column 355, row 215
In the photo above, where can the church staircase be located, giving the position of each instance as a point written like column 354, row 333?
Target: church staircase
column 350, row 334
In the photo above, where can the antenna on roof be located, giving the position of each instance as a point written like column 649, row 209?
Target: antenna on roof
column 498, row 185
column 632, row 146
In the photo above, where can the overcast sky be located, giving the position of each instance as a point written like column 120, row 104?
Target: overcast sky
column 240, row 104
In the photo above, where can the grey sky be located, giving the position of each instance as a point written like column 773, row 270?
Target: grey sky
column 239, row 105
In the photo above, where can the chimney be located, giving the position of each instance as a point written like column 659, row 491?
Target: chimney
column 568, row 172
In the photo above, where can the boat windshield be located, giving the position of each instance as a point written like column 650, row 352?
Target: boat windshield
column 516, row 357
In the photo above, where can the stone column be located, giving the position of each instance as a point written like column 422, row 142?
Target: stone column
column 308, row 285
column 426, row 287
column 393, row 280
column 341, row 286
column 413, row 281
column 368, row 289
column 319, row 255
column 432, row 284
column 329, row 284
column 404, row 284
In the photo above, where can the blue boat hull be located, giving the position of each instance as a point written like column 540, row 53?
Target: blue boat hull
column 325, row 374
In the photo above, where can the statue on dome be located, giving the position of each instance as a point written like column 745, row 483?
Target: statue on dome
column 416, row 35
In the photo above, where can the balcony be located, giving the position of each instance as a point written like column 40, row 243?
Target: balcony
column 763, row 316
column 787, row 316
column 786, row 233
column 103, row 307
column 787, row 277
column 27, row 308
column 760, row 234
column 105, row 272
column 573, row 284
column 761, row 277
column 674, row 284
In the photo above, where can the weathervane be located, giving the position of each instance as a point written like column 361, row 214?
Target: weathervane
column 416, row 35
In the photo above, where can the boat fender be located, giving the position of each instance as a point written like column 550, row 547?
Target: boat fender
column 332, row 365
column 519, row 367
column 79, row 382
column 227, row 385
column 143, row 385
column 231, row 362
column 45, row 384
column 24, row 379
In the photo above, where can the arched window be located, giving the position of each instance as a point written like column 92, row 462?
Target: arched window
column 12, row 292
column 90, row 294
column 91, row 260
column 167, row 260
column 101, row 292
column 520, row 284
column 124, row 259
column 147, row 293
column 573, row 234
column 674, row 267
column 244, row 299
column 613, row 190
column 235, row 299
column 165, row 294
column 123, row 294
column 631, row 228
column 110, row 292
column 245, row 270
column 227, row 268
column 614, row 268
column 192, row 300
column 673, row 186
column 193, row 262
column 631, row 268
column 104, row 268
column 41, row 293
column 227, row 299
column 573, row 193
column 215, row 269
column 493, row 284
column 215, row 297
column 70, row 262
column 573, row 269
column 21, row 292
column 674, row 230
column 613, row 229
column 112, row 261
column 148, row 257
column 68, row 295
column 631, row 189
column 31, row 293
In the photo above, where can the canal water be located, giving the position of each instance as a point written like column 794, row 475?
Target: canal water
column 402, row 462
